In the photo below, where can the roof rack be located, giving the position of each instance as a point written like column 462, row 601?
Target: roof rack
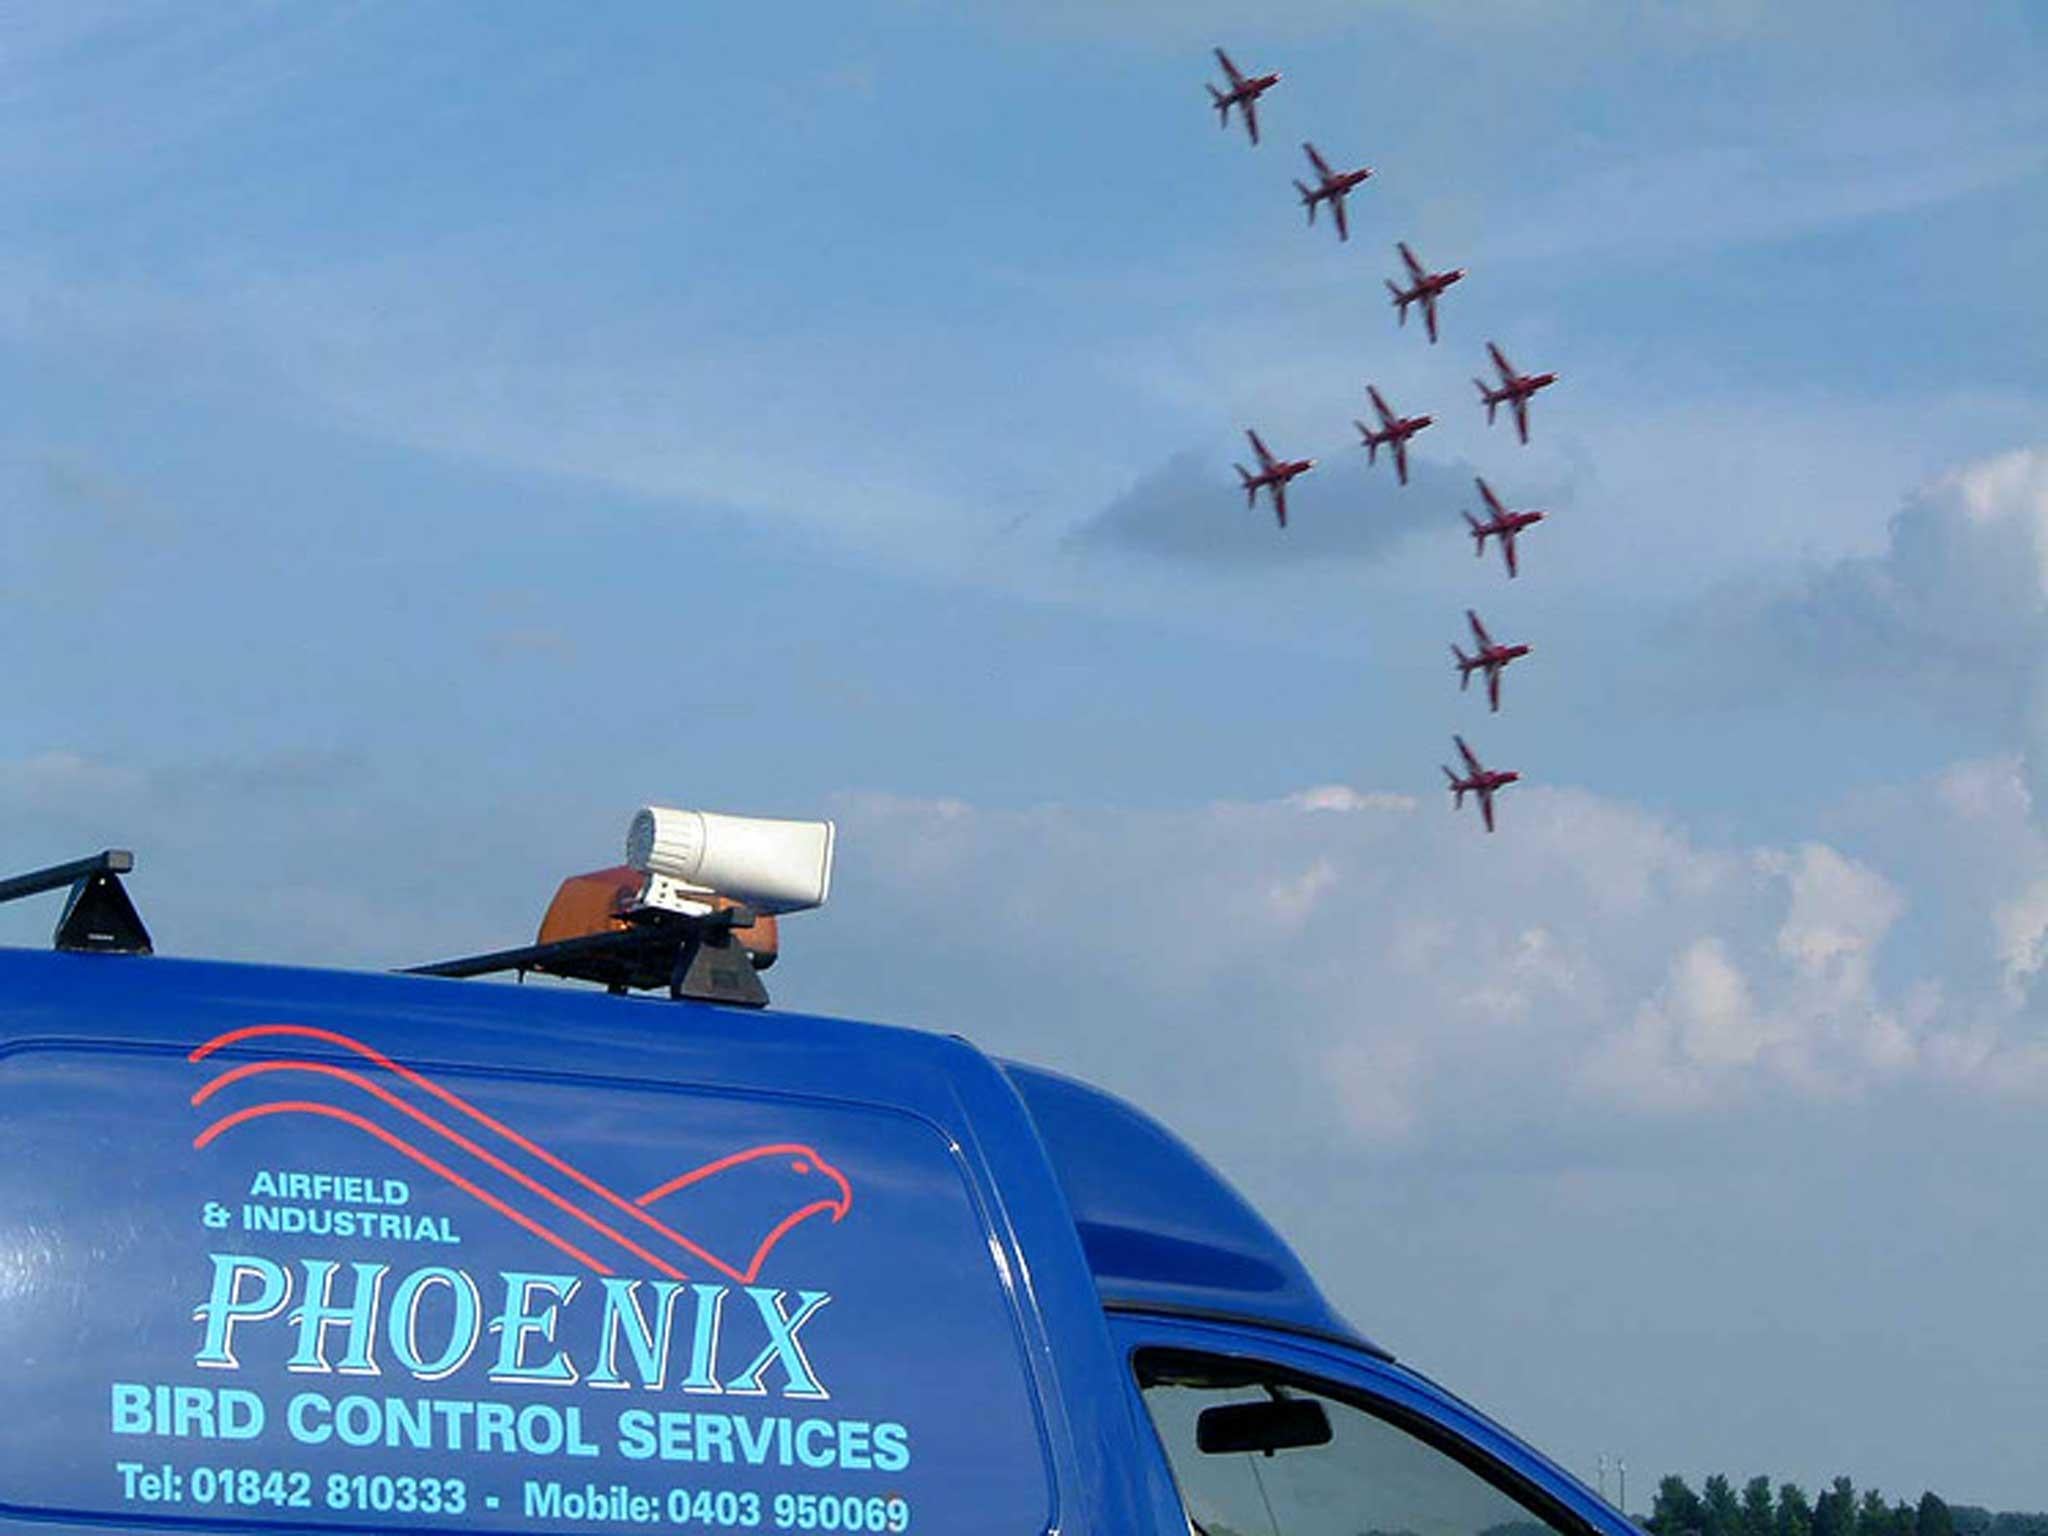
column 693, row 909
column 98, row 916
column 693, row 956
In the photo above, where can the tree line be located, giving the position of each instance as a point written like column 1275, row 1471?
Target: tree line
column 1839, row 1510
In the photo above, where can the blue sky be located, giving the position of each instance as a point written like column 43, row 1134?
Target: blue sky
column 426, row 435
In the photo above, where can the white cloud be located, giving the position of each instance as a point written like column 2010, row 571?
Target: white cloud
column 1291, row 899
column 2021, row 925
column 1953, row 610
column 1839, row 913
column 1342, row 797
column 1806, row 1013
column 1703, row 1021
column 1719, row 1024
column 1394, row 975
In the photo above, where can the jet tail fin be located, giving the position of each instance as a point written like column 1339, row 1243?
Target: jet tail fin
column 1251, row 486
column 1487, row 395
column 1308, row 199
column 1464, row 668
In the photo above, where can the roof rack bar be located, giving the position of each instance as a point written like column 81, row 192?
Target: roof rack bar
column 114, row 861
column 695, row 957
column 98, row 917
column 531, row 957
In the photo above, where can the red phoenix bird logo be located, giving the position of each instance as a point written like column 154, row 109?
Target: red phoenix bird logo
column 630, row 1225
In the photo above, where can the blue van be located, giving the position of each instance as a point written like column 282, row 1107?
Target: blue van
column 290, row 1249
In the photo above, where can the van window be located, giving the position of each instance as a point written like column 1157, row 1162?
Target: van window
column 292, row 1277
column 1302, row 1458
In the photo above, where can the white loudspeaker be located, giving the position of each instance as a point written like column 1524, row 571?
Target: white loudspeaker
column 772, row 866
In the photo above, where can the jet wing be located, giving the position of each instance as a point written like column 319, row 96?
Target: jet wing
column 1386, row 416
column 1493, row 688
column 1337, row 208
column 1472, row 765
column 1316, row 160
column 1492, row 501
column 1251, row 117
column 1507, row 548
column 1521, row 405
column 1401, row 459
column 1486, row 807
column 1259, row 447
column 1415, row 268
column 1478, row 630
column 1429, row 314
column 1280, row 501
column 1500, row 361
column 1229, row 68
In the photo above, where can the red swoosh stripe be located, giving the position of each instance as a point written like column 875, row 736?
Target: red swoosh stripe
column 532, row 1148
column 782, row 1229
column 483, row 1154
column 399, row 1144
column 684, row 1180
column 428, row 1085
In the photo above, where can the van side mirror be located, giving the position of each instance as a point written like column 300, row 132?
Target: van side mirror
column 1276, row 1424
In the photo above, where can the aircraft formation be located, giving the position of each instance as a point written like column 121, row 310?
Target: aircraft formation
column 1418, row 285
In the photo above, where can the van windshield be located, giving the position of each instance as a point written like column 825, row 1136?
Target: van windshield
column 1257, row 1451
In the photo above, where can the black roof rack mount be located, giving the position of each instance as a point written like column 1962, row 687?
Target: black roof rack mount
column 98, row 917
column 694, row 957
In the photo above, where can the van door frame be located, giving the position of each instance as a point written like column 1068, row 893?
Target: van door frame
column 1380, row 1379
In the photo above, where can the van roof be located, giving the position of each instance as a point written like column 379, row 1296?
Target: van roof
column 1161, row 1230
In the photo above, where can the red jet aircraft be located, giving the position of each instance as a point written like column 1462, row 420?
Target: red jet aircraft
column 1492, row 660
column 1503, row 525
column 1394, row 431
column 1427, row 287
column 1273, row 475
column 1332, row 188
column 1515, row 390
column 1244, row 93
column 1479, row 780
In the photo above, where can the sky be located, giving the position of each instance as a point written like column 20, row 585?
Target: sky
column 428, row 433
